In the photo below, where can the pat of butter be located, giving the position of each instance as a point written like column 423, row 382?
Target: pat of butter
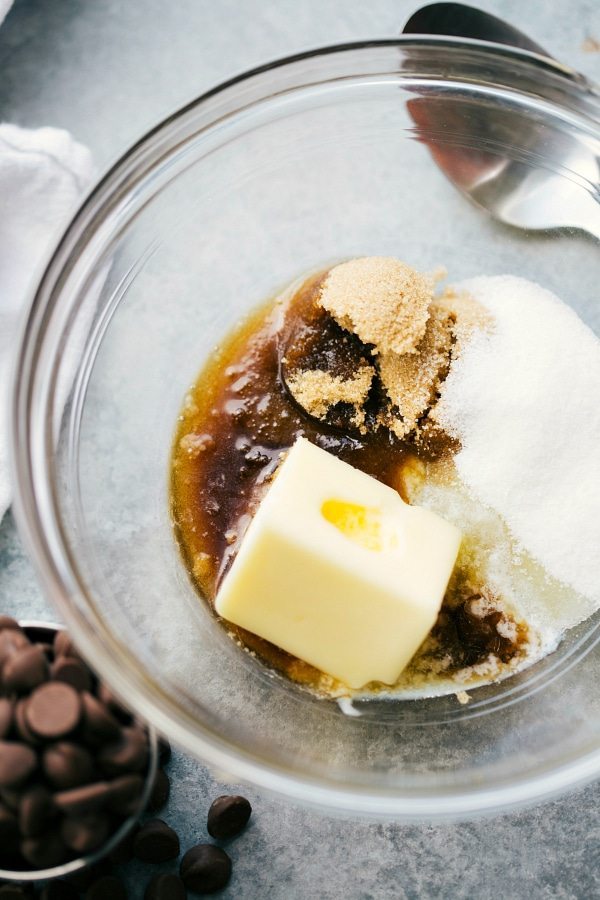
column 336, row 569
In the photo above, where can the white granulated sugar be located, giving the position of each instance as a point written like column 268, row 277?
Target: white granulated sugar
column 524, row 401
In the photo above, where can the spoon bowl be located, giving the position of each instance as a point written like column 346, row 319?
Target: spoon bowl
column 535, row 199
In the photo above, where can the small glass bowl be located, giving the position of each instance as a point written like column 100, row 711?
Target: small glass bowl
column 280, row 171
column 44, row 632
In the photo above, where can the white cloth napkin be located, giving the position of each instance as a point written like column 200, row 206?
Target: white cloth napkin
column 43, row 174
column 5, row 5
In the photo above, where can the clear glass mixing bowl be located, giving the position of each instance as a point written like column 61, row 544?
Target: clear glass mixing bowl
column 282, row 170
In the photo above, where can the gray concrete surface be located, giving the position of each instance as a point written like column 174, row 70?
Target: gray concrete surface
column 108, row 69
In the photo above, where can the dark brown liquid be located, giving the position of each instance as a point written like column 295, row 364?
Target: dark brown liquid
column 237, row 421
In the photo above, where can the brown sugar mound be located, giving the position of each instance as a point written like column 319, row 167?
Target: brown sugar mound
column 413, row 382
column 317, row 392
column 381, row 300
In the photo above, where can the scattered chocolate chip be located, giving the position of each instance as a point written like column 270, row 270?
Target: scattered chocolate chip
column 44, row 852
column 164, row 751
column 72, row 671
column 35, row 811
column 63, row 645
column 99, row 725
column 59, row 890
column 81, row 801
column 67, row 765
column 228, row 816
column 128, row 754
column 53, row 710
column 123, row 852
column 160, row 791
column 7, row 708
column 165, row 887
column 86, row 833
column 125, row 794
column 108, row 888
column 205, row 869
column 17, row 763
column 156, row 842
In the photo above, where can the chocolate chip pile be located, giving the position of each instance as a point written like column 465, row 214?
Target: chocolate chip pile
column 72, row 760
column 72, row 768
column 204, row 868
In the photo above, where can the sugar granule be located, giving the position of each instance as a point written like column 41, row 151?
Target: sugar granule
column 523, row 402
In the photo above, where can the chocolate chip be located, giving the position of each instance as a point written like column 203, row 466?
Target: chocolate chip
column 24, row 669
column 17, row 764
column 11, row 642
column 21, row 726
column 228, row 816
column 67, row 765
column 99, row 725
column 35, row 810
column 107, row 888
column 205, row 869
column 82, row 801
column 160, row 792
column 164, row 751
column 128, row 754
column 86, row 833
column 9, row 623
column 59, row 890
column 73, row 672
column 125, row 794
column 7, row 708
column 108, row 698
column 63, row 645
column 48, row 651
column 165, row 887
column 123, row 852
column 53, row 710
column 156, row 842
column 44, row 852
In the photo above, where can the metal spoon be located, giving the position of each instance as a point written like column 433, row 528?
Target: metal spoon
column 516, row 193
column 460, row 20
